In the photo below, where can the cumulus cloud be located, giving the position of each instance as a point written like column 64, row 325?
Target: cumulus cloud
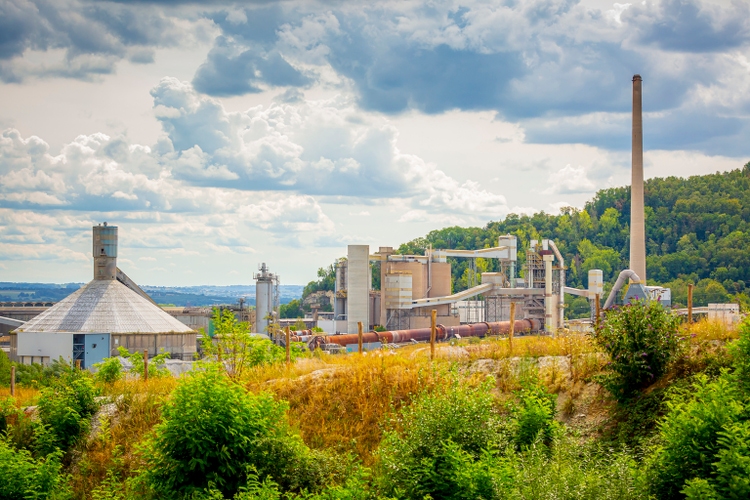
column 570, row 180
column 217, row 175
column 324, row 147
column 78, row 39
column 530, row 61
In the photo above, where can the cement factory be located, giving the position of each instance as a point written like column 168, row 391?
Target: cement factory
column 111, row 311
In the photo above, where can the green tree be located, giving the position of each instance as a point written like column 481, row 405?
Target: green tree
column 213, row 433
column 237, row 349
column 641, row 340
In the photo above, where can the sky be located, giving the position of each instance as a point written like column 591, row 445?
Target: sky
column 219, row 135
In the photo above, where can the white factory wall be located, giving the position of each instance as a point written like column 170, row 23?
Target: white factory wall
column 45, row 344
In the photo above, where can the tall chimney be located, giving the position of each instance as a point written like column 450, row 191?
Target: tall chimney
column 105, row 252
column 637, row 222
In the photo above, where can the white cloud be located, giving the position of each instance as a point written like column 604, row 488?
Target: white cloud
column 614, row 14
column 569, row 180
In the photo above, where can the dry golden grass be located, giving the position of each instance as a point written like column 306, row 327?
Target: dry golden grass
column 711, row 330
column 25, row 396
column 564, row 344
column 138, row 410
column 341, row 402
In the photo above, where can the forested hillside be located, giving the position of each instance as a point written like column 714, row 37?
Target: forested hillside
column 698, row 230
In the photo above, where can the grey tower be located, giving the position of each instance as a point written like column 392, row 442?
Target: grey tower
column 637, row 221
column 105, row 252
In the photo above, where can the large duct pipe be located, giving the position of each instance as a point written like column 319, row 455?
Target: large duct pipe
column 561, row 306
column 627, row 273
column 637, row 220
column 421, row 334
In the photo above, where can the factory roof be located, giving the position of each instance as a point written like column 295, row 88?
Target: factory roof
column 104, row 306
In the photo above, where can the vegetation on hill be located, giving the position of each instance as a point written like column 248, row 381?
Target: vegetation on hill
column 697, row 231
column 486, row 419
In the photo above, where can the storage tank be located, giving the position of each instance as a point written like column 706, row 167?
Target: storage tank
column 265, row 298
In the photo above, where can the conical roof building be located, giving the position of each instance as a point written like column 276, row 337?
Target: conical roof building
column 110, row 311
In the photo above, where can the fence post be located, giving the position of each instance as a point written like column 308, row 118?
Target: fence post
column 288, row 346
column 13, row 380
column 433, row 334
column 78, row 364
column 359, row 336
column 690, row 303
column 598, row 309
column 145, row 365
column 512, row 325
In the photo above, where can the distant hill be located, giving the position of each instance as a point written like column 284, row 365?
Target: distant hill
column 697, row 229
column 204, row 295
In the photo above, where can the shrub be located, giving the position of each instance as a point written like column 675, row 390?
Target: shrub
column 8, row 413
column 704, row 449
column 155, row 368
column 534, row 415
column 689, row 433
column 238, row 350
column 23, row 477
column 65, row 409
column 213, row 431
column 571, row 471
column 108, row 371
column 641, row 339
column 439, row 439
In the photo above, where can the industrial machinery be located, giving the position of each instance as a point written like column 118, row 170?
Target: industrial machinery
column 266, row 298
column 413, row 285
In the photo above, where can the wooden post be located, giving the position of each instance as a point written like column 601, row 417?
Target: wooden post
column 13, row 380
column 433, row 334
column 690, row 303
column 359, row 339
column 288, row 346
column 145, row 365
column 512, row 325
column 598, row 308
column 78, row 364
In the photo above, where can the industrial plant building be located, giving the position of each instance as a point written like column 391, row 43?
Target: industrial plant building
column 109, row 312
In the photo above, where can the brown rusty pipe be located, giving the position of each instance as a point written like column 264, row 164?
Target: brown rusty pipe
column 423, row 334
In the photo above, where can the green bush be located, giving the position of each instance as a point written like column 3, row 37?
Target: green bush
column 8, row 413
column 689, row 433
column 238, row 350
column 155, row 368
column 5, row 365
column 109, row 370
column 37, row 375
column 21, row 476
column 534, row 415
column 65, row 409
column 704, row 440
column 641, row 340
column 213, row 431
column 571, row 471
column 445, row 445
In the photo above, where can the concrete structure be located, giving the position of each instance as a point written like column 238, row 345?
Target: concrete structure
column 266, row 298
column 358, row 287
column 637, row 220
column 729, row 314
column 91, row 323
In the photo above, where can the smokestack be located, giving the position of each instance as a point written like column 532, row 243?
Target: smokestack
column 105, row 252
column 637, row 221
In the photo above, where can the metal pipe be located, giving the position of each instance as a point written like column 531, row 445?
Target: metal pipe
column 561, row 312
column 423, row 334
column 627, row 273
